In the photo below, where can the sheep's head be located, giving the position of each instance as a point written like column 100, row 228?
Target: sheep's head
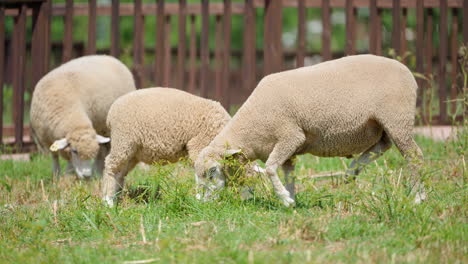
column 82, row 147
column 209, row 171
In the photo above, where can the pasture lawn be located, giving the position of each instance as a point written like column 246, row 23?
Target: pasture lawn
column 159, row 219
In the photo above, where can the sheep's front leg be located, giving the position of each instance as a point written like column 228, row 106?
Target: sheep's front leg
column 55, row 165
column 283, row 151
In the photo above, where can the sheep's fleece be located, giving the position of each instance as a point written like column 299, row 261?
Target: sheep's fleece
column 69, row 110
column 356, row 104
column 157, row 124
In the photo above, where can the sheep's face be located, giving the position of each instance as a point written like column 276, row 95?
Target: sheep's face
column 209, row 175
column 82, row 148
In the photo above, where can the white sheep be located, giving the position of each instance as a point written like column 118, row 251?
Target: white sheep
column 356, row 104
column 69, row 109
column 157, row 124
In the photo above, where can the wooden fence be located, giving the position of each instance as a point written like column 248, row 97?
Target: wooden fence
column 192, row 66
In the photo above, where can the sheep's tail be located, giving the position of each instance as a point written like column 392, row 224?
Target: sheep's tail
column 40, row 147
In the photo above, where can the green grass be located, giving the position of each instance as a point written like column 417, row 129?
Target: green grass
column 371, row 220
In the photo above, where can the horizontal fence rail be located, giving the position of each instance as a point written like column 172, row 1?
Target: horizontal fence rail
column 216, row 70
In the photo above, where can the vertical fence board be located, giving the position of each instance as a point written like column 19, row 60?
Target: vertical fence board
column 301, row 34
column 273, row 50
column 373, row 26
column 419, row 45
column 350, row 26
column 453, row 57
column 193, row 55
column 138, row 46
column 48, row 22
column 38, row 43
column 465, row 21
column 404, row 18
column 443, row 61
column 204, row 48
column 396, row 29
column 2, row 68
column 227, row 53
column 115, row 29
column 68, row 32
column 218, row 58
column 378, row 40
column 182, row 45
column 159, row 49
column 429, row 73
column 19, row 55
column 326, row 31
column 167, row 52
column 92, row 27
column 249, row 50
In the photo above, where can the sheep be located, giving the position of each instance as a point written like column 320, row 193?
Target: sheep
column 69, row 109
column 356, row 104
column 157, row 125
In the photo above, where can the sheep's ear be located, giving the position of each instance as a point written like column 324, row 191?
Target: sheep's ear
column 102, row 140
column 59, row 144
column 231, row 152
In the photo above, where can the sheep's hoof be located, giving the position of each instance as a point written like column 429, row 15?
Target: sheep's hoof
column 288, row 201
column 108, row 201
column 420, row 197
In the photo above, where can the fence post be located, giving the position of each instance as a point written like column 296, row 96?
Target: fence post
column 92, row 28
column 443, row 61
column 429, row 72
column 204, row 49
column 2, row 66
column 138, row 47
column 273, row 50
column 38, row 43
column 159, row 48
column 181, row 51
column 465, row 21
column 115, row 29
column 167, row 52
column 193, row 55
column 301, row 34
column 396, row 29
column 350, row 27
column 326, row 33
column 453, row 57
column 68, row 33
column 218, row 58
column 419, row 47
column 249, row 49
column 227, row 53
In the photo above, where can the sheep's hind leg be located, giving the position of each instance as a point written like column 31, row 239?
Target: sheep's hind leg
column 288, row 168
column 283, row 150
column 368, row 156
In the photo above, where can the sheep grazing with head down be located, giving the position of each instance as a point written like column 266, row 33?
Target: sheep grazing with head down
column 356, row 104
column 69, row 110
column 157, row 124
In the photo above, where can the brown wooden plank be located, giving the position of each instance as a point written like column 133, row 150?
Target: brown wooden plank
column 454, row 62
column 396, row 28
column 420, row 47
column 38, row 43
column 167, row 52
column 218, row 58
column 350, row 27
column 68, row 32
column 301, row 34
column 92, row 28
column 19, row 54
column 227, row 53
column 193, row 55
column 48, row 22
column 181, row 50
column 2, row 68
column 216, row 8
column 273, row 28
column 159, row 49
column 249, row 50
column 115, row 29
column 404, row 18
column 138, row 45
column 204, row 49
column 465, row 21
column 443, row 36
column 429, row 71
column 378, row 39
column 373, row 26
column 326, row 31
